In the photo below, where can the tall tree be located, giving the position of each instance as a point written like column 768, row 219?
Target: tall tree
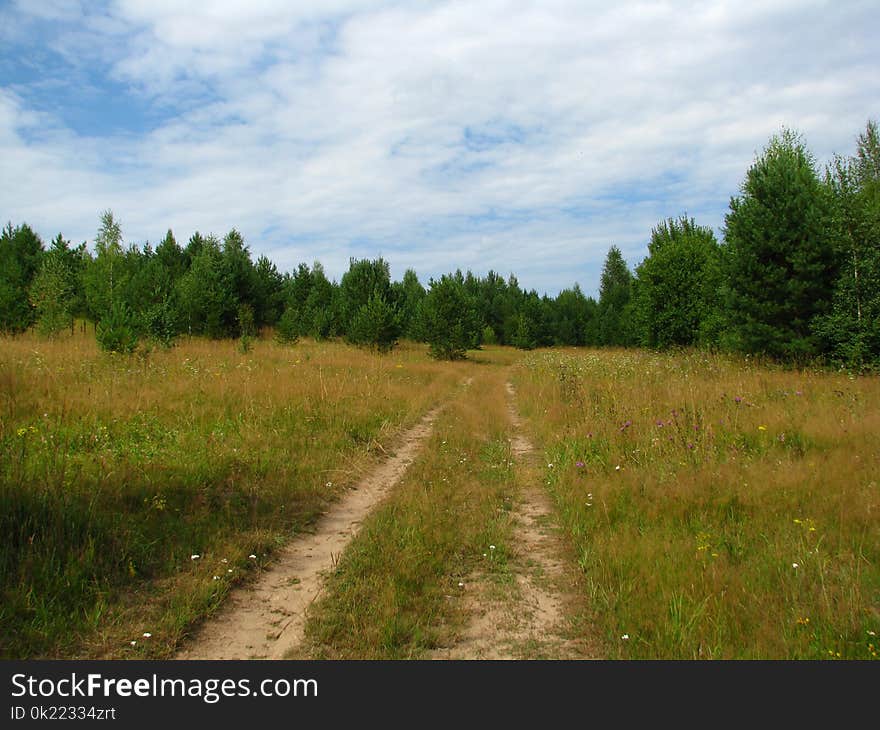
column 206, row 295
column 409, row 294
column 779, row 253
column 106, row 275
column 615, row 291
column 20, row 253
column 850, row 332
column 53, row 290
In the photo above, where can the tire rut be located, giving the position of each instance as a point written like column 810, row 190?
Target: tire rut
column 266, row 619
column 530, row 619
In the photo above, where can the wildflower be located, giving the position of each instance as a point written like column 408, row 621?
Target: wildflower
column 617, row 468
column 491, row 547
column 690, row 446
column 550, row 466
column 590, row 435
column 803, row 621
column 224, row 560
column 147, row 634
column 579, row 464
column 194, row 556
column 660, row 424
column 762, row 428
column 625, row 637
column 229, row 571
column 795, row 566
column 252, row 556
column 133, row 643
column 738, row 399
column 460, row 584
column 328, row 485
column 625, row 425
column 216, row 577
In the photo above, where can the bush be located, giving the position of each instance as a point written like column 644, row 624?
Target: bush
column 376, row 325
column 160, row 323
column 449, row 318
column 117, row 331
column 287, row 329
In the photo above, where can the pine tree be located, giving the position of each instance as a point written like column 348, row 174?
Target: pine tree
column 779, row 258
column 21, row 251
column 449, row 319
column 615, row 291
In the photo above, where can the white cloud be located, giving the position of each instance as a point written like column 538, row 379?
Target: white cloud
column 516, row 136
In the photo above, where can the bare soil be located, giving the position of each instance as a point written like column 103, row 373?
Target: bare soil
column 526, row 617
column 266, row 619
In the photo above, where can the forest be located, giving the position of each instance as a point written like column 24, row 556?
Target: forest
column 795, row 278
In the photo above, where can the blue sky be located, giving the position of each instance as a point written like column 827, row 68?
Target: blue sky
column 521, row 137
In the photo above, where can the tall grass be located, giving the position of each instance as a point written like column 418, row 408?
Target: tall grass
column 720, row 508
column 116, row 471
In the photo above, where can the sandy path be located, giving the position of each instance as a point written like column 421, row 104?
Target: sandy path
column 266, row 619
column 526, row 620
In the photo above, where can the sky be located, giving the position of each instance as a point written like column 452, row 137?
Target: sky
column 517, row 137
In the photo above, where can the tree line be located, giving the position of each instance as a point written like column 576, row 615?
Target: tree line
column 795, row 277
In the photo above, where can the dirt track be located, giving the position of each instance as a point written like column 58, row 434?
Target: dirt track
column 528, row 619
column 266, row 619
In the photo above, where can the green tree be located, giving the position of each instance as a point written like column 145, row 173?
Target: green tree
column 850, row 332
column 105, row 275
column 449, row 318
column 409, row 294
column 118, row 330
column 779, row 255
column 53, row 290
column 268, row 293
column 20, row 253
column 615, row 292
column 570, row 312
column 206, row 295
column 366, row 299
column 677, row 285
column 322, row 308
column 375, row 325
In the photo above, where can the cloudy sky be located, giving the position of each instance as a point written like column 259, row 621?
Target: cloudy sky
column 523, row 137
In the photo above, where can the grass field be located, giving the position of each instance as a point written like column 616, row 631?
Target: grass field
column 717, row 508
column 116, row 472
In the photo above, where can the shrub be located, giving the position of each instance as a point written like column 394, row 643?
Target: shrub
column 117, row 331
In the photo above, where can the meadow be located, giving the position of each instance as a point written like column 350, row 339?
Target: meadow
column 134, row 491
column 716, row 507
column 719, row 508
